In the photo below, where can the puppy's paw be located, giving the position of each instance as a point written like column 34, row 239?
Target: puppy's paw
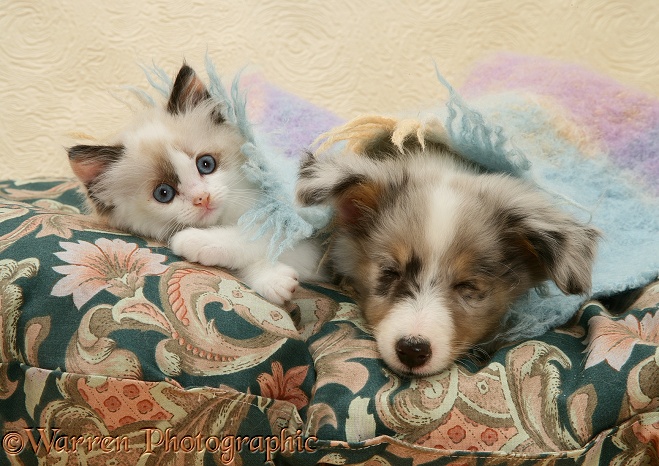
column 202, row 246
column 276, row 283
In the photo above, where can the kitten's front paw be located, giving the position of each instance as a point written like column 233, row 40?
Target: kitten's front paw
column 199, row 245
column 276, row 283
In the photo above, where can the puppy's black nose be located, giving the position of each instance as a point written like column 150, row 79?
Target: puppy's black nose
column 413, row 352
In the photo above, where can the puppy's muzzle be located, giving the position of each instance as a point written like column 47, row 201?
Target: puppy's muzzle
column 413, row 351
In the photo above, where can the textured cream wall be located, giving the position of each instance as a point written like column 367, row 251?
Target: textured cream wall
column 61, row 60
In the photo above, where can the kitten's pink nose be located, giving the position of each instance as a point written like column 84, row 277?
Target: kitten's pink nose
column 202, row 200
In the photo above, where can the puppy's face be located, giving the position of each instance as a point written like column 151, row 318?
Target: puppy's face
column 437, row 252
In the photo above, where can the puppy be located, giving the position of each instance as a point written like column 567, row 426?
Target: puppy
column 437, row 250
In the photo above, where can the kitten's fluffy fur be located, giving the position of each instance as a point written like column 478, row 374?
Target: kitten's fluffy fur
column 437, row 251
column 188, row 150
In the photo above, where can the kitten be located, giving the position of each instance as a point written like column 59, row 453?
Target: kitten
column 174, row 174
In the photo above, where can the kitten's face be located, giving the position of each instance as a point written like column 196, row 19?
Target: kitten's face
column 172, row 168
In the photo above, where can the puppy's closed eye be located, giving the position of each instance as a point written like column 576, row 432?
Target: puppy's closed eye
column 471, row 291
column 390, row 274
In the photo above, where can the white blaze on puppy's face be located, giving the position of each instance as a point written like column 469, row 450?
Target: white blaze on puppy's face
column 442, row 211
column 410, row 324
column 424, row 317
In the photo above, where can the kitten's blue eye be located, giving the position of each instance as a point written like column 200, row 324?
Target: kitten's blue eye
column 164, row 193
column 206, row 164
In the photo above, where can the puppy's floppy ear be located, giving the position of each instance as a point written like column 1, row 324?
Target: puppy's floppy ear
column 89, row 162
column 561, row 248
column 189, row 91
column 347, row 186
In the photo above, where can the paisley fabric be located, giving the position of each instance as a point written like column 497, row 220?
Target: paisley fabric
column 110, row 338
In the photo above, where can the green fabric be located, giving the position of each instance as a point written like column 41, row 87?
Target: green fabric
column 107, row 334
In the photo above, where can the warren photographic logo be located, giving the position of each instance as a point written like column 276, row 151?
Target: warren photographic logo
column 156, row 441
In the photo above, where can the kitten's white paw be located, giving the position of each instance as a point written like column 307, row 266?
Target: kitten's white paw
column 199, row 245
column 276, row 283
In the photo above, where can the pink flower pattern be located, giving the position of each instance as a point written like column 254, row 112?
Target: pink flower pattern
column 613, row 340
column 286, row 387
column 113, row 265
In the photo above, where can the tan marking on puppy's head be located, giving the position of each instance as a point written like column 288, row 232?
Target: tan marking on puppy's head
column 356, row 202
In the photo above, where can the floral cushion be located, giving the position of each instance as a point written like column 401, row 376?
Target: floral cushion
column 108, row 337
column 86, row 311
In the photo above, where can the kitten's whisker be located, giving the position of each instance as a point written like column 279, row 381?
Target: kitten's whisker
column 170, row 228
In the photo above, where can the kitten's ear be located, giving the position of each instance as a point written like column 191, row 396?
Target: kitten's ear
column 348, row 187
column 188, row 92
column 89, row 162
